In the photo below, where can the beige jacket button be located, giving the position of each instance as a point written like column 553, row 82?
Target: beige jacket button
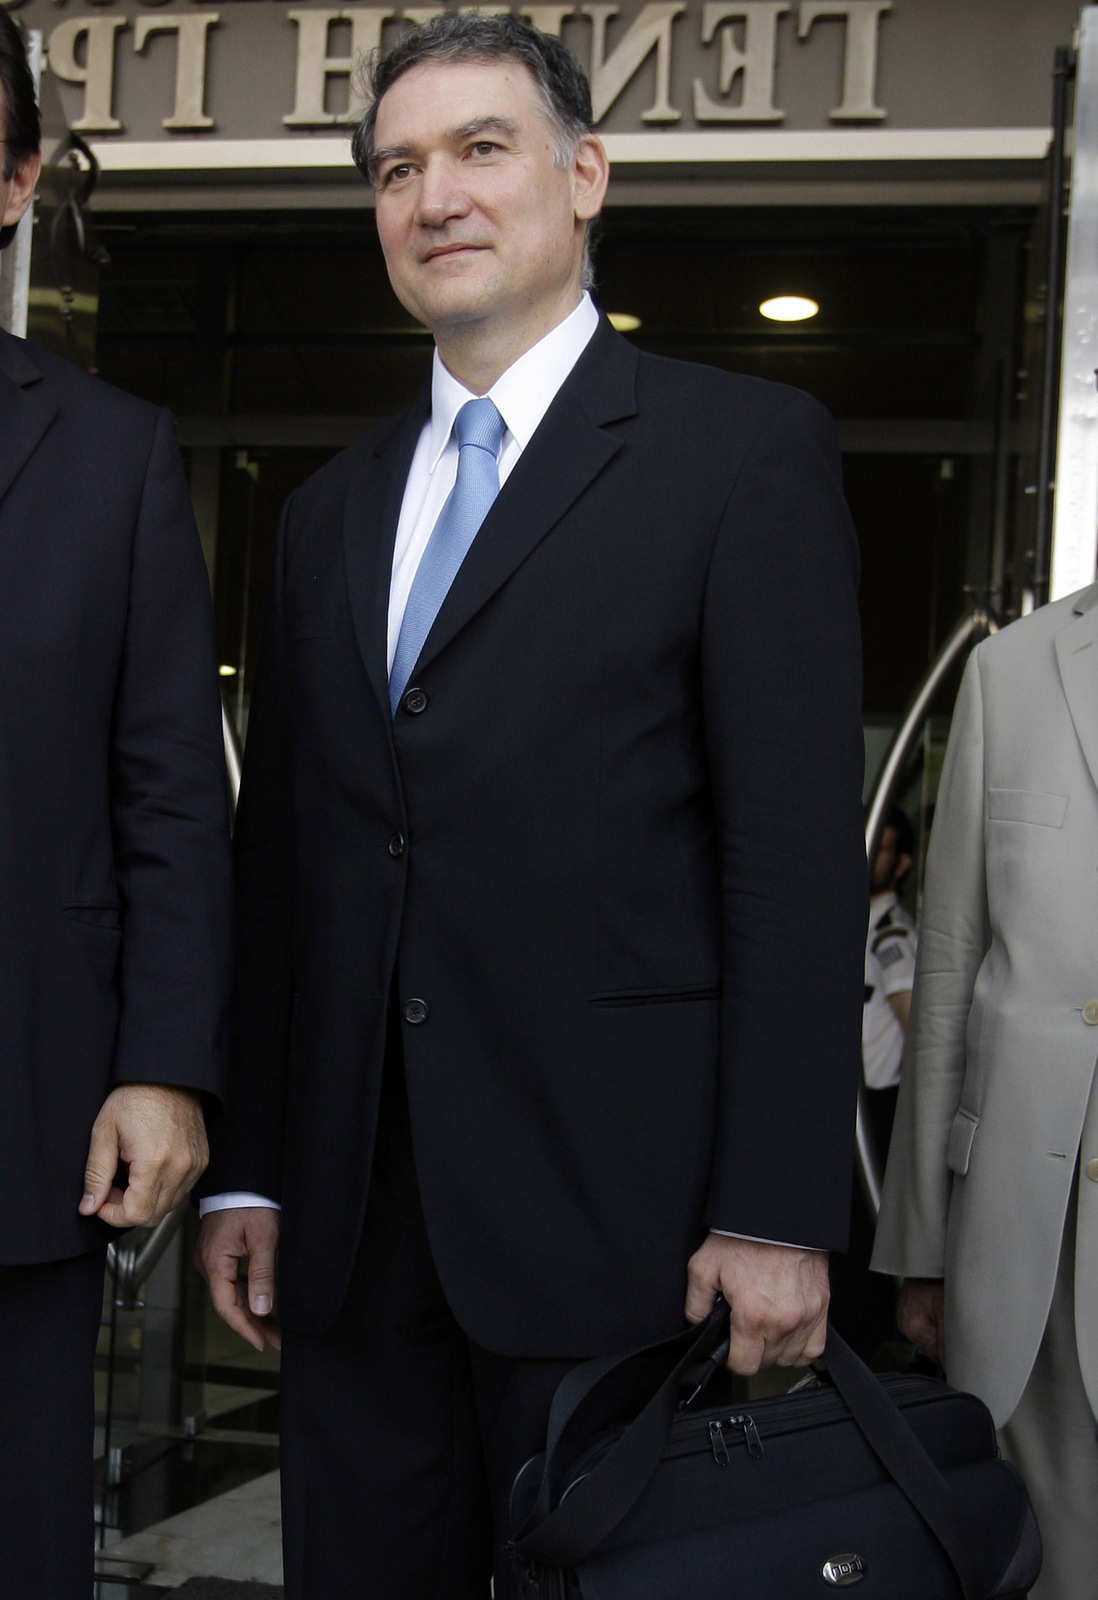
column 1090, row 1012
column 1092, row 1171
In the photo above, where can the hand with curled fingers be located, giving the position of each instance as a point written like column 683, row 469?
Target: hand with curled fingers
column 225, row 1239
column 159, row 1132
column 777, row 1296
column 920, row 1315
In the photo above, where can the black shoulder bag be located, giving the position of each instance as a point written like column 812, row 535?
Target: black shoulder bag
column 893, row 1486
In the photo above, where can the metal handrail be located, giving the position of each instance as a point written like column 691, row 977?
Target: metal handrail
column 969, row 631
column 130, row 1261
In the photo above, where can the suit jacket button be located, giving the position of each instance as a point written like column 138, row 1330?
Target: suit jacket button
column 396, row 845
column 1092, row 1171
column 1090, row 1012
column 415, row 1011
column 415, row 701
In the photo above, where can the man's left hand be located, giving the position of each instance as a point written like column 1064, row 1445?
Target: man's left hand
column 160, row 1133
column 777, row 1295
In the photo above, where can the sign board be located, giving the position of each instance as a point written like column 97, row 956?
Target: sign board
column 254, row 83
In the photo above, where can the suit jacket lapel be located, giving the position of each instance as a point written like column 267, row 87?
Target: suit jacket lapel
column 26, row 408
column 1077, row 654
column 370, row 520
column 568, row 450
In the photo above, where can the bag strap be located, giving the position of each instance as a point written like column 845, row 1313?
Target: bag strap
column 905, row 1458
column 566, row 1535
column 562, row 1536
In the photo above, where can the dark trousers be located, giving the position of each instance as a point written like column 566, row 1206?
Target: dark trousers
column 400, row 1437
column 49, row 1321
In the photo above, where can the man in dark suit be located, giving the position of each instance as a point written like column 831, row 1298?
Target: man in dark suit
column 560, row 690
column 114, row 884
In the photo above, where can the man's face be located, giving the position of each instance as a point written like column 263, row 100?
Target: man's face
column 477, row 222
column 890, row 864
column 16, row 192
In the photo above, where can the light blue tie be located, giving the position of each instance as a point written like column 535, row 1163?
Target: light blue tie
column 479, row 429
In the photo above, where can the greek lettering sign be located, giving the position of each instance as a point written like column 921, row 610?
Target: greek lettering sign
column 260, row 70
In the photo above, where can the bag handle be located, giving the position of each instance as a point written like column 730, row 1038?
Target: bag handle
column 561, row 1537
column 566, row 1535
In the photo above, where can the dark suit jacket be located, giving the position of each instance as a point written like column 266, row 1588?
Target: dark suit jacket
column 115, row 878
column 612, row 843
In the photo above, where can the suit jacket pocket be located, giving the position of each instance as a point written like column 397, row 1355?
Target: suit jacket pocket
column 961, row 1135
column 650, row 997
column 1027, row 805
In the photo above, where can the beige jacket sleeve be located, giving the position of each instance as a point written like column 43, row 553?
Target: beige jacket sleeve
column 953, row 940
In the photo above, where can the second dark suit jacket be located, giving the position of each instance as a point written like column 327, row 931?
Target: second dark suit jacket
column 115, row 877
column 610, row 852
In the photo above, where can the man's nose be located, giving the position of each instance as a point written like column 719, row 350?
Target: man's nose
column 441, row 195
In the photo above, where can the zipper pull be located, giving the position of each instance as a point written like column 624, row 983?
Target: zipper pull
column 718, row 1443
column 751, row 1434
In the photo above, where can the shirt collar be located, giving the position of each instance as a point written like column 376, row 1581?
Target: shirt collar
column 522, row 394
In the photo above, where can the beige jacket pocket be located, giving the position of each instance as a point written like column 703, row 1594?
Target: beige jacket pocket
column 1027, row 805
column 961, row 1135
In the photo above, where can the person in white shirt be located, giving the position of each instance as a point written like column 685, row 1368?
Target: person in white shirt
column 889, row 972
column 863, row 1304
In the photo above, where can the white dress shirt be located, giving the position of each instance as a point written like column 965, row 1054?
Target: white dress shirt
column 522, row 396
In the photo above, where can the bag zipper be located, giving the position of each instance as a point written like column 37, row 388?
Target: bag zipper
column 816, row 1406
column 773, row 1416
column 719, row 1444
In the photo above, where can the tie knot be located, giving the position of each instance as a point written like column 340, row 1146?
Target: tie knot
column 479, row 423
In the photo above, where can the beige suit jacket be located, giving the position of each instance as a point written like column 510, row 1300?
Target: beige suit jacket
column 992, row 1116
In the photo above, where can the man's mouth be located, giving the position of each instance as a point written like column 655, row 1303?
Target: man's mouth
column 458, row 248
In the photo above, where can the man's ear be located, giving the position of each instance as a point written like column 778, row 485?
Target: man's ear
column 591, row 174
column 23, row 186
column 904, row 864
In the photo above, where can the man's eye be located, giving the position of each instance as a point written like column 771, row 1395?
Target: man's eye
column 396, row 174
column 485, row 147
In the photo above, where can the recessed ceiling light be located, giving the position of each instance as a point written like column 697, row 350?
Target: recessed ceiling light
column 789, row 308
column 227, row 671
column 623, row 321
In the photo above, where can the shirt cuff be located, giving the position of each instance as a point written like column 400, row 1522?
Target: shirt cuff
column 752, row 1239
column 233, row 1201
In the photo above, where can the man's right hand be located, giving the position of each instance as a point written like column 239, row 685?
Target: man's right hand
column 224, row 1239
column 920, row 1312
